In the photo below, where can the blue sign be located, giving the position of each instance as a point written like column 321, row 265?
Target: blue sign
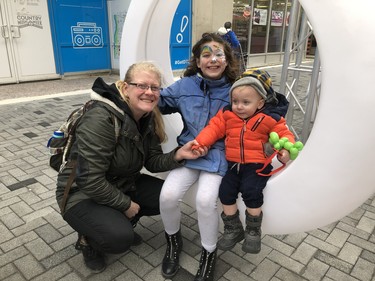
column 81, row 34
column 180, row 42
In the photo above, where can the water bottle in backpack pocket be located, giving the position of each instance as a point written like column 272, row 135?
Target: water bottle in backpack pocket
column 56, row 145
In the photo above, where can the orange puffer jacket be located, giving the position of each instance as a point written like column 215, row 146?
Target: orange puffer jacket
column 244, row 139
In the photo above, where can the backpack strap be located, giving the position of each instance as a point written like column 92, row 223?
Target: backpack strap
column 73, row 164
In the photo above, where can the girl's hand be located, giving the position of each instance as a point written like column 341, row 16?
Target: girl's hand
column 187, row 151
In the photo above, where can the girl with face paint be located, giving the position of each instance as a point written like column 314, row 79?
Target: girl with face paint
column 212, row 61
column 197, row 96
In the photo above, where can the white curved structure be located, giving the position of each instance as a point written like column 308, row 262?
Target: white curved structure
column 335, row 172
column 146, row 34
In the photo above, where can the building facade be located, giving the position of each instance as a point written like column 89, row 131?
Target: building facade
column 261, row 27
column 46, row 39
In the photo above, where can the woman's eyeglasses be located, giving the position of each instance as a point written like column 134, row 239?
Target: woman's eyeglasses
column 145, row 87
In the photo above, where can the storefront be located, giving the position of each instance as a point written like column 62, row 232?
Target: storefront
column 48, row 39
column 261, row 27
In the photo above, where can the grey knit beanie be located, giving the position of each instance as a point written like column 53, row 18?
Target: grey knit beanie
column 250, row 81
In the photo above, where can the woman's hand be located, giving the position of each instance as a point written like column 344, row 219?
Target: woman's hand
column 132, row 211
column 186, row 151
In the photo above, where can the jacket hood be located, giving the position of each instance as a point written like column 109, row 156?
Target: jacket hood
column 222, row 31
column 279, row 110
column 109, row 94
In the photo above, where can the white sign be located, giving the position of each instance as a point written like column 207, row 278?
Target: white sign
column 260, row 17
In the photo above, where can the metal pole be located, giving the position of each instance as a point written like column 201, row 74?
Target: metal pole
column 311, row 97
column 296, row 74
column 288, row 44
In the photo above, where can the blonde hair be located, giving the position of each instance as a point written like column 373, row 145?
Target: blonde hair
column 148, row 67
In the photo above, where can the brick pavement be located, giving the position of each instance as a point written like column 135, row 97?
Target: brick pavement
column 36, row 244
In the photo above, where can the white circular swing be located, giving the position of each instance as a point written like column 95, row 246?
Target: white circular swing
column 335, row 173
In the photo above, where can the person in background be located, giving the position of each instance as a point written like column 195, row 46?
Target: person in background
column 254, row 112
column 197, row 97
column 231, row 38
column 109, row 194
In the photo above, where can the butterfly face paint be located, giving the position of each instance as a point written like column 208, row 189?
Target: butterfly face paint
column 212, row 62
column 215, row 53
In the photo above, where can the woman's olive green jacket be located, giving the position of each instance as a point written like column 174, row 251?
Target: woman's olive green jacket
column 107, row 167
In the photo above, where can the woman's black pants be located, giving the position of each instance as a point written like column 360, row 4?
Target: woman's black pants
column 109, row 230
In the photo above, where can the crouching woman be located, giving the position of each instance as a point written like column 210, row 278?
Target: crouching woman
column 108, row 193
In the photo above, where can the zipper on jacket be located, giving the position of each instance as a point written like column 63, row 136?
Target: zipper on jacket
column 243, row 130
column 204, row 87
column 257, row 123
column 207, row 92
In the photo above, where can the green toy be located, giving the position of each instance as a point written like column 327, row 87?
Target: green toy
column 278, row 144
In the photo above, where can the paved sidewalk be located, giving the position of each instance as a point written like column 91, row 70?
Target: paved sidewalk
column 36, row 244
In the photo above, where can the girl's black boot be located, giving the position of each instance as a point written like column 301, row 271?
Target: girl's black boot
column 171, row 258
column 206, row 266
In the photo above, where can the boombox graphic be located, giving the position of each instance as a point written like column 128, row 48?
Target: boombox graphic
column 87, row 35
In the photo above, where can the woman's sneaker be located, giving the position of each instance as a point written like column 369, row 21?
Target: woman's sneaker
column 93, row 259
